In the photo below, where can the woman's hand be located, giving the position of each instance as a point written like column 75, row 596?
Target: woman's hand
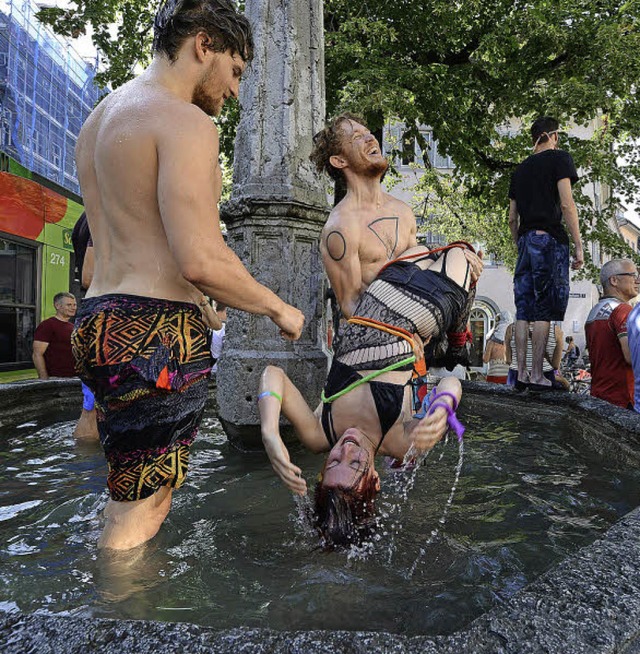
column 475, row 264
column 429, row 430
column 290, row 474
column 209, row 316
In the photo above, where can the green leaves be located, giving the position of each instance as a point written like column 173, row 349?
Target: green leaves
column 476, row 72
column 469, row 70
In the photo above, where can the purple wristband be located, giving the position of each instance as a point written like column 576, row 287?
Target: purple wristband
column 452, row 419
column 437, row 396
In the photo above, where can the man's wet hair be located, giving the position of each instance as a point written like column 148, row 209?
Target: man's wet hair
column 542, row 127
column 346, row 517
column 177, row 20
column 327, row 143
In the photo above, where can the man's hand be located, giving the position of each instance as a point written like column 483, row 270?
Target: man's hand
column 291, row 321
column 428, row 431
column 290, row 474
column 476, row 264
column 578, row 259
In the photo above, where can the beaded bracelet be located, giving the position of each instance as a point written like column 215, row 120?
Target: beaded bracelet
column 267, row 393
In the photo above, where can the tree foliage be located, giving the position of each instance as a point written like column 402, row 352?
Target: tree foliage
column 466, row 69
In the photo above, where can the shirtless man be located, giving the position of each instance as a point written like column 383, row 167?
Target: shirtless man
column 369, row 227
column 148, row 167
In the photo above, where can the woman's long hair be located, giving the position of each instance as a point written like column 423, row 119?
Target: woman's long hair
column 346, row 516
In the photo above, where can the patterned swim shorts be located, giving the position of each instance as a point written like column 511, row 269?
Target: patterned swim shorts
column 147, row 362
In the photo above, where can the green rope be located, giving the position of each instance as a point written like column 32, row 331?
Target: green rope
column 367, row 378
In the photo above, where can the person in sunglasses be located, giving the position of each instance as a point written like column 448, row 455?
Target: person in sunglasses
column 606, row 330
column 540, row 196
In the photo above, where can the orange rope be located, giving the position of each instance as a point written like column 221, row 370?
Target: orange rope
column 383, row 327
column 420, row 365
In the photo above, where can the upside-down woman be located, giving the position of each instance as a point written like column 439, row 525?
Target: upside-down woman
column 375, row 400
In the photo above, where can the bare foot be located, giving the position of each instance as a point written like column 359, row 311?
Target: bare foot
column 542, row 381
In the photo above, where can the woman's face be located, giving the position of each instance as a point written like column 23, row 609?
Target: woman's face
column 350, row 461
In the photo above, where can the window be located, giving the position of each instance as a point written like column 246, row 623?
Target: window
column 55, row 155
column 479, row 323
column 426, row 135
column 40, row 143
column 408, row 150
column 5, row 128
column 21, row 75
column 18, row 280
column 440, row 161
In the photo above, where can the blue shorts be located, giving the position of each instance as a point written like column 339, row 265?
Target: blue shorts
column 88, row 401
column 541, row 280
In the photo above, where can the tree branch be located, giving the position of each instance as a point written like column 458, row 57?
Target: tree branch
column 452, row 59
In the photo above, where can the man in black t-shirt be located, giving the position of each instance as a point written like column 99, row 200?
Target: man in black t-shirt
column 539, row 197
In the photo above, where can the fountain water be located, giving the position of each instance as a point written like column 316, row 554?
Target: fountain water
column 236, row 571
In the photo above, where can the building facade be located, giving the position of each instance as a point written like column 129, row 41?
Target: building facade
column 46, row 92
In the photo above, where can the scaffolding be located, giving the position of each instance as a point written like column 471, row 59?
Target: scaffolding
column 47, row 91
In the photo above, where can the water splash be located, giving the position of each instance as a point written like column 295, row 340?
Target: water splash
column 400, row 484
column 301, row 518
column 434, row 532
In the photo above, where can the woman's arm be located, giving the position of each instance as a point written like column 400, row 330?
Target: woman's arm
column 275, row 384
column 486, row 357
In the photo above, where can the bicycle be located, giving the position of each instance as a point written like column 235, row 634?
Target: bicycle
column 579, row 380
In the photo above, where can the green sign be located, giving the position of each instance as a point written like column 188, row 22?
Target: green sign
column 67, row 243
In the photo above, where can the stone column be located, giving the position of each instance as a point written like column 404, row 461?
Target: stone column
column 277, row 209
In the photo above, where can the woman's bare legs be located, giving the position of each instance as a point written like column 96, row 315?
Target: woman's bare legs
column 453, row 263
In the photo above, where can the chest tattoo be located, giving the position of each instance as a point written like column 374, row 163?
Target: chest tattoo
column 386, row 231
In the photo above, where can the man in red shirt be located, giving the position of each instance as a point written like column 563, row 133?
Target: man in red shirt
column 52, row 354
column 606, row 330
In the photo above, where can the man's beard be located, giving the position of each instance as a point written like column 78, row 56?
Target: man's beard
column 376, row 168
column 202, row 99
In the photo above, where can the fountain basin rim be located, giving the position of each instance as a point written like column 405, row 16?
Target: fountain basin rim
column 589, row 602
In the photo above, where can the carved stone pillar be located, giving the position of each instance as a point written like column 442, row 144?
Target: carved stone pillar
column 277, row 209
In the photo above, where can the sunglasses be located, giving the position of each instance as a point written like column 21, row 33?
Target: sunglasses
column 636, row 276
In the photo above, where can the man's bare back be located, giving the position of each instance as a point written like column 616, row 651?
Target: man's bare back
column 122, row 142
column 148, row 166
